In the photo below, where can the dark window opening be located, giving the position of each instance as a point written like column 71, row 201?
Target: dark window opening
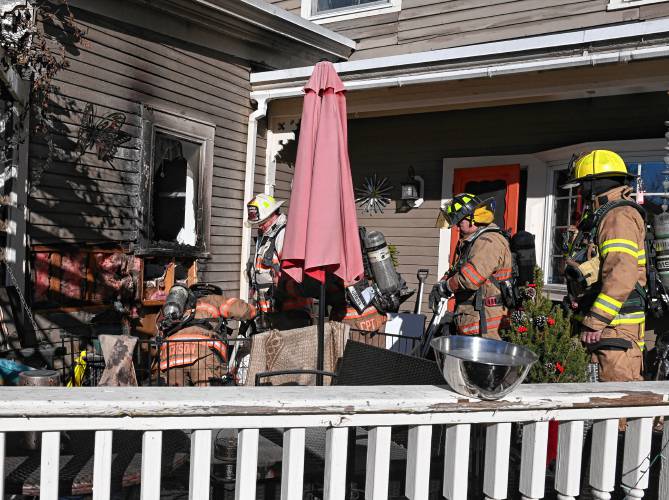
column 491, row 189
column 175, row 186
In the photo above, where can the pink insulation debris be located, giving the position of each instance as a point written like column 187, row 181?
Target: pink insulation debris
column 111, row 263
column 113, row 275
column 73, row 268
column 41, row 276
column 108, row 276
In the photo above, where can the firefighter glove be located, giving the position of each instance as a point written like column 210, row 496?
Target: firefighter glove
column 439, row 291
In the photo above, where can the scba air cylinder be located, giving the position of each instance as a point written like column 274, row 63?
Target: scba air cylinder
column 661, row 227
column 380, row 261
column 175, row 303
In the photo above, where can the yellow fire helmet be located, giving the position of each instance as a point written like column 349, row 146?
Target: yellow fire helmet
column 261, row 207
column 596, row 164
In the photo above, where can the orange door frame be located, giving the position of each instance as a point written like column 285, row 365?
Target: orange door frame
column 508, row 173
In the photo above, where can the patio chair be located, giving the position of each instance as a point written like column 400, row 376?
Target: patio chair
column 364, row 364
column 289, row 357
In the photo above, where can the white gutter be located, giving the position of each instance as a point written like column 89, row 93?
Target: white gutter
column 249, row 180
column 586, row 59
column 559, row 40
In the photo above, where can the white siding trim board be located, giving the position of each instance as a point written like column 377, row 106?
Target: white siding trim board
column 249, row 181
column 626, row 4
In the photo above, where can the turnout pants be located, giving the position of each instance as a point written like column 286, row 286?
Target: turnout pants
column 620, row 365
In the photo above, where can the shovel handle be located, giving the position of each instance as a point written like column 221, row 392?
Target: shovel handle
column 422, row 276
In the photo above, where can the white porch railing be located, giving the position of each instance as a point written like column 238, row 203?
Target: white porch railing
column 378, row 409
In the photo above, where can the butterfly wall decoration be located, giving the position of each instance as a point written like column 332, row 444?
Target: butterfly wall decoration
column 103, row 133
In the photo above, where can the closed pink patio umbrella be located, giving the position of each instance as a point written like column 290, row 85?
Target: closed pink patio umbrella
column 322, row 231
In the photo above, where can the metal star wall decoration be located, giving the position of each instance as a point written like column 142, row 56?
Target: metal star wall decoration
column 374, row 194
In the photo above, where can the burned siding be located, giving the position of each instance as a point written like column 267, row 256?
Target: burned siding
column 82, row 200
column 424, row 25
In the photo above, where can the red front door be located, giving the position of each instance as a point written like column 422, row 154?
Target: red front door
column 501, row 183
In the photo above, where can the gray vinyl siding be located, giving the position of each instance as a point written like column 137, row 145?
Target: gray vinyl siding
column 294, row 6
column 85, row 200
column 387, row 146
column 424, row 25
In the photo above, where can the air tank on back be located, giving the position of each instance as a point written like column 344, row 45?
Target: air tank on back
column 661, row 227
column 175, row 303
column 385, row 275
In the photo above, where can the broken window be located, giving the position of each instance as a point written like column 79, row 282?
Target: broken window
column 174, row 196
column 176, row 176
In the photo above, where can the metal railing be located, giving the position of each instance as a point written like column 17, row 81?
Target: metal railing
column 160, row 361
column 632, row 462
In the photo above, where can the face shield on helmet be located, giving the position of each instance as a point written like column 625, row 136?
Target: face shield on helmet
column 253, row 214
column 468, row 206
column 261, row 207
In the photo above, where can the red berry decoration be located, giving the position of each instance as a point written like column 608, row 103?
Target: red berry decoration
column 544, row 328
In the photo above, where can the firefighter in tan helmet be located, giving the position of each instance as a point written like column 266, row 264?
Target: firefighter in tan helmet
column 606, row 266
column 277, row 297
column 482, row 268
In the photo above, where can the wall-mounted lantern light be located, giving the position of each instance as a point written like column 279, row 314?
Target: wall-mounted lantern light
column 412, row 192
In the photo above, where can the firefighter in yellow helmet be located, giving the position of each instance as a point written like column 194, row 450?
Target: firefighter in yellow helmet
column 276, row 296
column 482, row 268
column 606, row 266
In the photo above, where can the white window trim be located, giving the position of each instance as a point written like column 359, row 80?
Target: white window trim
column 626, row 4
column 346, row 14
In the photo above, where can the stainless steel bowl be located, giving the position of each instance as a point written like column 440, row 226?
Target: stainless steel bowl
column 482, row 368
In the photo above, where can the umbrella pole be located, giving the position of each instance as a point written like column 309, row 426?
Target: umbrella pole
column 321, row 334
